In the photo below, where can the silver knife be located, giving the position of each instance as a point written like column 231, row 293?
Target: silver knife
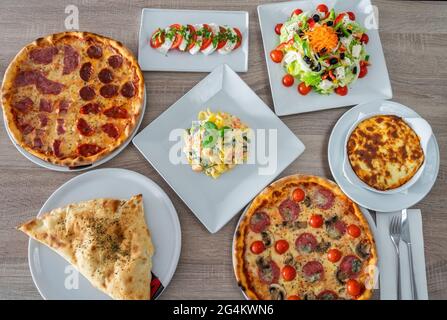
column 407, row 239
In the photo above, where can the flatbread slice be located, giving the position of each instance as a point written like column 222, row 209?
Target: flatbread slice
column 106, row 240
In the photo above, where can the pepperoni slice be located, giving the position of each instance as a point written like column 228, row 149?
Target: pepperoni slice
column 88, row 149
column 63, row 107
column 115, row 61
column 94, row 52
column 108, row 90
column 327, row 295
column 23, row 105
column 60, row 126
column 84, row 128
column 90, row 108
column 26, row 78
column 47, row 86
column 306, row 242
column 268, row 270
column 86, row 71
column 324, row 198
column 313, row 271
column 111, row 130
column 350, row 266
column 128, row 90
column 105, row 75
column 87, row 93
column 43, row 119
column 116, row 113
column 26, row 128
column 43, row 55
column 45, row 105
column 259, row 221
column 37, row 143
column 57, row 148
column 71, row 59
column 289, row 210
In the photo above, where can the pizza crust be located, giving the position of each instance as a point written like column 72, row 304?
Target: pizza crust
column 8, row 88
column 106, row 240
column 239, row 247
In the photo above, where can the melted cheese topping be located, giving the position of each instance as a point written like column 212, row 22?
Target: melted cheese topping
column 385, row 152
column 342, row 208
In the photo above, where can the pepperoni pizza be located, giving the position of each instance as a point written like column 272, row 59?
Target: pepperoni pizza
column 302, row 238
column 73, row 97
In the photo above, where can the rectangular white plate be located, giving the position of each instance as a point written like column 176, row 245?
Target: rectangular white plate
column 215, row 202
column 376, row 84
column 152, row 60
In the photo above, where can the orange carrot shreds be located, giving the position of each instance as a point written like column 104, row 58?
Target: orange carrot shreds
column 322, row 38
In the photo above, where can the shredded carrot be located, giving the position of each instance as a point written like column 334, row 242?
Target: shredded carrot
column 322, row 38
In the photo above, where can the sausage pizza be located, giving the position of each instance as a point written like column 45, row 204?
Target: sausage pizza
column 73, row 97
column 302, row 238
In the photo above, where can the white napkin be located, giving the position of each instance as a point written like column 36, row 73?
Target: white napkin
column 387, row 257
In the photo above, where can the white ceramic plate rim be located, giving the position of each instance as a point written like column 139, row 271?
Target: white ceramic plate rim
column 365, row 213
column 347, row 184
column 48, row 165
column 244, row 47
column 172, row 210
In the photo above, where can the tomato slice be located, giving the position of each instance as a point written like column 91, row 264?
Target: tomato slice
column 303, row 89
column 296, row 12
column 208, row 39
column 157, row 38
column 298, row 195
column 223, row 39
column 341, row 91
column 278, row 28
column 239, row 38
column 364, row 39
column 322, row 8
column 339, row 18
column 192, row 35
column 178, row 37
column 276, row 56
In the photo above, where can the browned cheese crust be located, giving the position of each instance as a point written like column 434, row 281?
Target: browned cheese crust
column 50, row 81
column 259, row 275
column 384, row 152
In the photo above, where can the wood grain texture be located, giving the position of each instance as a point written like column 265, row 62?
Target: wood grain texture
column 416, row 63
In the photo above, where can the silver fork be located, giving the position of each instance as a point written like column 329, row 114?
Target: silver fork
column 395, row 232
column 406, row 238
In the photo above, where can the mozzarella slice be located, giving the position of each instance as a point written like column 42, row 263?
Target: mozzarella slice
column 164, row 48
column 229, row 46
column 184, row 43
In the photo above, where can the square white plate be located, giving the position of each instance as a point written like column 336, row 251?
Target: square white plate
column 152, row 60
column 216, row 201
column 376, row 85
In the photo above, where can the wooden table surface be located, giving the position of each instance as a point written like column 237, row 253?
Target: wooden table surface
column 414, row 39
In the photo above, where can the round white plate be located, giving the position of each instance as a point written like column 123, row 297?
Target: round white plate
column 367, row 198
column 365, row 212
column 55, row 278
column 54, row 167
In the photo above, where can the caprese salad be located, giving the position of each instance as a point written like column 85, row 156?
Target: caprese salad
column 204, row 38
column 322, row 49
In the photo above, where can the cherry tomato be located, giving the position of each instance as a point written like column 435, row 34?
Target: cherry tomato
column 178, row 37
column 341, row 91
column 206, row 42
column 298, row 195
column 363, row 71
column 311, row 22
column 303, row 89
column 354, row 231
column 296, row 12
column 364, row 38
column 353, row 287
column 288, row 80
column 281, row 246
column 278, row 28
column 293, row 297
column 339, row 18
column 333, row 255
column 351, row 15
column 192, row 41
column 257, row 247
column 322, row 8
column 316, row 221
column 239, row 38
column 221, row 43
column 276, row 56
column 157, row 38
column 288, row 273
